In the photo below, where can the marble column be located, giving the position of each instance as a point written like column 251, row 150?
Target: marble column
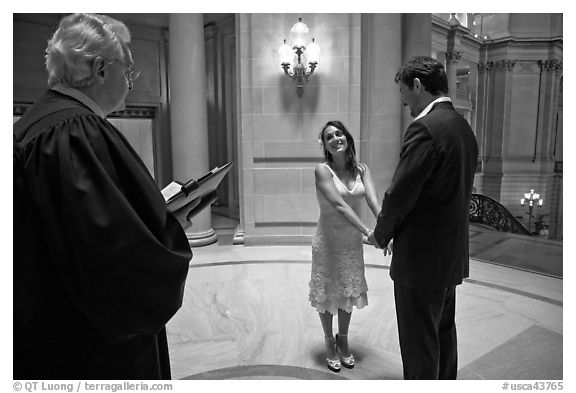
column 416, row 41
column 188, row 113
column 417, row 35
column 239, row 231
column 453, row 56
column 381, row 129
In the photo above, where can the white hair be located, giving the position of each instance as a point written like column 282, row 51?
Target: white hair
column 80, row 39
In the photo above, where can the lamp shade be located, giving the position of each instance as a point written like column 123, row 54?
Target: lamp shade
column 285, row 53
column 313, row 52
column 299, row 33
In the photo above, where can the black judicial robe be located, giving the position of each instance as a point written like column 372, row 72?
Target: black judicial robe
column 99, row 264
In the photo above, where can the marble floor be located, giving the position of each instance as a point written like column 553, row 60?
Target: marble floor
column 246, row 315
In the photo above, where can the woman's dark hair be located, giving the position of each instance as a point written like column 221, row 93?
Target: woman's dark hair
column 351, row 163
column 430, row 71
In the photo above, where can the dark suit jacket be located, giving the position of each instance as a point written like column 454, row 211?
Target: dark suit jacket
column 426, row 208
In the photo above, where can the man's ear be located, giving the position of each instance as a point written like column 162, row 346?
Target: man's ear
column 418, row 85
column 99, row 70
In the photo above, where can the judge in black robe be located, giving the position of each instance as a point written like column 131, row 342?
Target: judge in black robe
column 99, row 264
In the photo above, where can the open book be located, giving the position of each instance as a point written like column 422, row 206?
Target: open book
column 194, row 195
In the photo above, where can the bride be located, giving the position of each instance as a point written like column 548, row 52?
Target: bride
column 337, row 281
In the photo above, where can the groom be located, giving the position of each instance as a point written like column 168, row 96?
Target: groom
column 425, row 210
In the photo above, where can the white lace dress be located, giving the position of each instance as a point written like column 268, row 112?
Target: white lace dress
column 337, row 280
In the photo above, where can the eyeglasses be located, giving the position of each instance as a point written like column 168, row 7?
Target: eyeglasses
column 129, row 71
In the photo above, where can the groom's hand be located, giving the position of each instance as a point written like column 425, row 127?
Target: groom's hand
column 388, row 249
column 372, row 240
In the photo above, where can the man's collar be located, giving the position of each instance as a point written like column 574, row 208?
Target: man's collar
column 83, row 98
column 430, row 105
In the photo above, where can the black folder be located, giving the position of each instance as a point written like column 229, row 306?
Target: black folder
column 196, row 194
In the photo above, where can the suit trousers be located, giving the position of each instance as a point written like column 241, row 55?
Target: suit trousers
column 427, row 332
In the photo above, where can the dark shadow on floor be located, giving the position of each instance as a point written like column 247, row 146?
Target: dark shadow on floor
column 536, row 352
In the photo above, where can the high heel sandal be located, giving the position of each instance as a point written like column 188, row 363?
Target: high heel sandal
column 333, row 365
column 347, row 362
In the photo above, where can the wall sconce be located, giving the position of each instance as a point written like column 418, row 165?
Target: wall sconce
column 531, row 199
column 298, row 54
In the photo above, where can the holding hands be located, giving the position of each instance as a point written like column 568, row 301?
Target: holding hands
column 372, row 240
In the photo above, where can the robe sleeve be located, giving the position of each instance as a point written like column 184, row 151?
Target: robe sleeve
column 418, row 158
column 121, row 256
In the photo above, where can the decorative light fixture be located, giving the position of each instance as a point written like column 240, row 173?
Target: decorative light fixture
column 531, row 199
column 299, row 54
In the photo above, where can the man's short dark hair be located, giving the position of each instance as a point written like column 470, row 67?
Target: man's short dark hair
column 429, row 71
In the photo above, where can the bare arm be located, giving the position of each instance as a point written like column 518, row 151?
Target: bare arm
column 372, row 200
column 371, row 194
column 325, row 185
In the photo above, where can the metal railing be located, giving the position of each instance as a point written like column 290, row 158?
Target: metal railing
column 487, row 211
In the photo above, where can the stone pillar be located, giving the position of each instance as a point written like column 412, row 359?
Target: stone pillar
column 416, row 41
column 453, row 55
column 480, row 126
column 496, row 126
column 551, row 144
column 417, row 35
column 241, row 21
column 381, row 110
column 188, row 114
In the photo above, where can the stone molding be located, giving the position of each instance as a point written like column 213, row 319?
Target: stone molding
column 454, row 56
column 528, row 66
column 551, row 65
column 521, row 65
column 485, row 67
column 504, row 65
column 18, row 109
column 134, row 113
column 558, row 166
column 499, row 65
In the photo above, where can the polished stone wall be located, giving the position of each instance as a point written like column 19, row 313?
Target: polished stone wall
column 279, row 130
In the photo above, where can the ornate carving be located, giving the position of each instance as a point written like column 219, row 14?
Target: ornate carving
column 504, row 65
column 550, row 65
column 559, row 66
column 486, row 211
column 558, row 166
column 486, row 67
column 521, row 65
column 453, row 55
